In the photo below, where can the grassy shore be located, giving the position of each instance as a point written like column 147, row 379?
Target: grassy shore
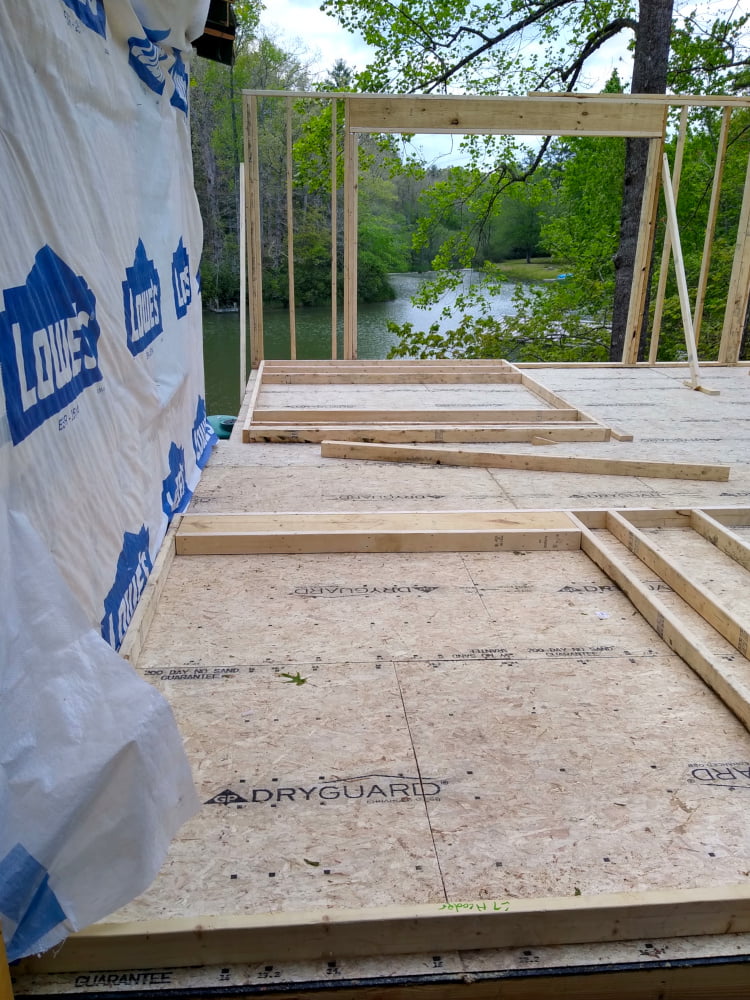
column 540, row 269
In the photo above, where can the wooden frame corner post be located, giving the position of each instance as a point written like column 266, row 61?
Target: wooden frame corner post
column 351, row 188
column 253, row 229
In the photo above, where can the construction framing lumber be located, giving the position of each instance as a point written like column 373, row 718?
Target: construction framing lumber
column 394, row 930
column 629, row 116
column 253, row 231
column 529, row 463
column 697, row 597
column 715, row 532
column 6, row 988
column 669, row 627
column 502, row 116
column 644, row 250
column 447, row 416
column 351, row 245
column 739, row 286
column 556, row 419
column 372, row 375
column 713, row 212
column 290, row 231
column 387, row 378
column 666, row 252
column 243, row 534
column 426, row 433
column 679, row 268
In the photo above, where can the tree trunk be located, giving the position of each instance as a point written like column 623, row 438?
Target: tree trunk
column 650, row 61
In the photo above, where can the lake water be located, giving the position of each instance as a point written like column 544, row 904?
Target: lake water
column 221, row 334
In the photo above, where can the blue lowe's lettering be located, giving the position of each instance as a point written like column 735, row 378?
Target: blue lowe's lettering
column 91, row 13
column 174, row 491
column 181, row 280
column 179, row 74
column 141, row 298
column 145, row 56
column 204, row 437
column 48, row 343
column 133, row 570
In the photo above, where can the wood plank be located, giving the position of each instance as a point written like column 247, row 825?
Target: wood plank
column 679, row 270
column 242, row 534
column 666, row 518
column 394, row 930
column 713, row 212
column 392, row 416
column 253, row 401
column 290, row 233
column 729, row 516
column 644, row 249
column 351, row 189
column 542, row 392
column 668, row 100
column 446, row 433
column 670, row 628
column 425, row 520
column 503, row 116
column 680, row 517
column 445, row 377
column 531, row 463
column 6, row 989
column 326, row 364
column 666, row 252
column 618, row 435
column 243, row 284
column 252, row 205
column 739, row 285
column 698, row 598
column 727, row 542
column 547, row 396
column 334, row 228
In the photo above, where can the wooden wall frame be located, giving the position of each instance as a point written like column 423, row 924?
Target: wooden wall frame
column 632, row 115
column 509, row 116
column 456, row 925
column 554, row 420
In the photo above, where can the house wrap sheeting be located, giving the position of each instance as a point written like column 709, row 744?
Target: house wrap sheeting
column 103, row 433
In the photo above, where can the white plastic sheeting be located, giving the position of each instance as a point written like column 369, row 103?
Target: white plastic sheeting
column 103, row 433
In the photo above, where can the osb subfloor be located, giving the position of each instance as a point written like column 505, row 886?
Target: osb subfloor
column 446, row 739
column 376, row 728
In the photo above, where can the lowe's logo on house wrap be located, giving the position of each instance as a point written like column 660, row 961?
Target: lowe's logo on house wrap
column 141, row 299
column 48, row 343
column 133, row 569
column 145, row 56
column 203, row 434
column 174, row 493
column 179, row 74
column 91, row 13
column 181, row 280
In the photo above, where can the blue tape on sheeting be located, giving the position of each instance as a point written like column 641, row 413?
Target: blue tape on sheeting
column 26, row 897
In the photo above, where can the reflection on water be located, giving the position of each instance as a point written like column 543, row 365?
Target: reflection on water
column 221, row 334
